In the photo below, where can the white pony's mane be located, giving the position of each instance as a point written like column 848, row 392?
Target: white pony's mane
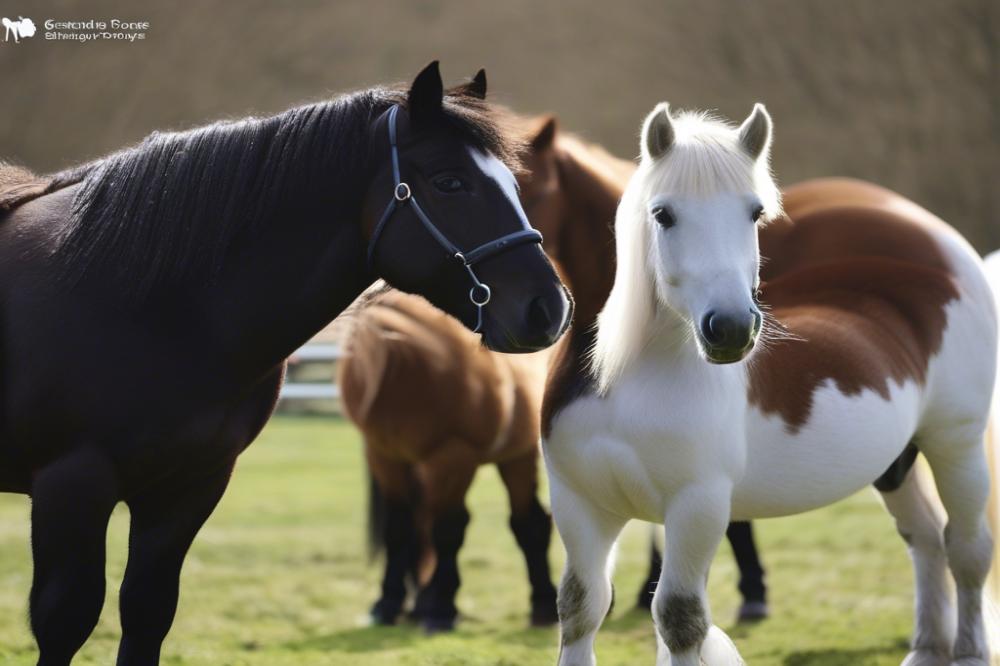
column 705, row 158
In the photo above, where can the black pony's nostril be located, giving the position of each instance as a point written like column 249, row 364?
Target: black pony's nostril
column 540, row 317
column 547, row 316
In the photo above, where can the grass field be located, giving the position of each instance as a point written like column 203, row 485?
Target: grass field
column 279, row 576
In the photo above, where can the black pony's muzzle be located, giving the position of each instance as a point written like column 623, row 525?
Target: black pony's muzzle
column 541, row 322
column 546, row 318
column 530, row 308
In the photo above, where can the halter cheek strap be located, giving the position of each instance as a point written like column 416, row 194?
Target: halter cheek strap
column 402, row 195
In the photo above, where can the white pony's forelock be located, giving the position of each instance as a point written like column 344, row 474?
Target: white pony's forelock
column 706, row 158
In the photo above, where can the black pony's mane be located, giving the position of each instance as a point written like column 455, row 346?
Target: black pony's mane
column 168, row 210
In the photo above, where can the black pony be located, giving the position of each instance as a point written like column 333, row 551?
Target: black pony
column 148, row 301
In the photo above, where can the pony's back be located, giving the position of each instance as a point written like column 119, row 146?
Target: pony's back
column 414, row 376
column 872, row 221
column 18, row 186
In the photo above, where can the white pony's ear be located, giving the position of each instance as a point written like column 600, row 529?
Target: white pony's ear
column 755, row 132
column 657, row 132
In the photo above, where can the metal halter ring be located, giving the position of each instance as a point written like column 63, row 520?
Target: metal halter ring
column 402, row 192
column 486, row 294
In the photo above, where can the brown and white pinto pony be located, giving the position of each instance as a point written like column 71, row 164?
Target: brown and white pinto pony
column 433, row 404
column 880, row 342
column 992, row 265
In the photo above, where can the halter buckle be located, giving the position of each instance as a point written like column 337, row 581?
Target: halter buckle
column 402, row 192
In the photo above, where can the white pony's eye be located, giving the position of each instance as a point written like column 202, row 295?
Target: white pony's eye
column 663, row 217
column 758, row 211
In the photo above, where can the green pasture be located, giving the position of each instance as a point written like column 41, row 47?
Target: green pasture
column 279, row 577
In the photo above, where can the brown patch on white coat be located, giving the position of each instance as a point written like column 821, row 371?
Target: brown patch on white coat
column 854, row 277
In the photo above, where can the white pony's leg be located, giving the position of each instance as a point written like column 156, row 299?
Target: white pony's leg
column 963, row 483
column 589, row 534
column 694, row 525
column 920, row 521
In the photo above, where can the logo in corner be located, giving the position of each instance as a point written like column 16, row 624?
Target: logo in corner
column 22, row 27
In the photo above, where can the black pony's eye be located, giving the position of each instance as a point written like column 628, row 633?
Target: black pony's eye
column 449, row 184
column 756, row 214
column 663, row 217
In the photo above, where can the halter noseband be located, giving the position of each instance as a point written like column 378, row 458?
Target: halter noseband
column 402, row 195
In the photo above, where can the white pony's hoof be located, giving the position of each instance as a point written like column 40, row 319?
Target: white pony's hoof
column 719, row 650
column 925, row 657
column 716, row 650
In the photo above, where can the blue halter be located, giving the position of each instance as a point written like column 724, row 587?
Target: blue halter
column 480, row 292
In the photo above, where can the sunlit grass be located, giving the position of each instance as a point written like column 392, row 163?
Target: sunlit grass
column 279, row 576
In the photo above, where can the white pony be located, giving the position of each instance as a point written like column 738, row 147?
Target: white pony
column 879, row 342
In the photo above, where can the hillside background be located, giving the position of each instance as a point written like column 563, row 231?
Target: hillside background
column 902, row 92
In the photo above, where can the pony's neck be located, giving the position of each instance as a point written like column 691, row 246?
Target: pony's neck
column 247, row 234
column 169, row 213
column 285, row 287
column 303, row 265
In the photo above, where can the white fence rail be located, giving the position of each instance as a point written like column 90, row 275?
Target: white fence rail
column 319, row 352
column 310, row 391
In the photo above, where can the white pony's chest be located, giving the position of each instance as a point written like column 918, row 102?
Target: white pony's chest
column 667, row 425
column 634, row 447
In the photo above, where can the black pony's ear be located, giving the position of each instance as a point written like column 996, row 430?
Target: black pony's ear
column 474, row 88
column 477, row 86
column 426, row 94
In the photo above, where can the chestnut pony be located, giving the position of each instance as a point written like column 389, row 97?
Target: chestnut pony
column 148, row 301
column 433, row 404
